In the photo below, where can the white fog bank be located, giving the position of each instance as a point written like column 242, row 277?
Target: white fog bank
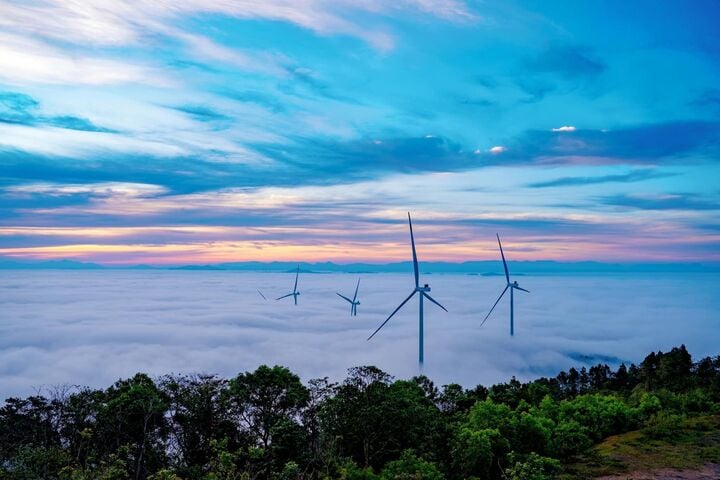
column 93, row 327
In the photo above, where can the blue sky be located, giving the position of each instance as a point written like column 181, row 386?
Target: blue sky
column 163, row 132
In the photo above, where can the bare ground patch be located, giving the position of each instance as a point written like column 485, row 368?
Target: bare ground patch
column 711, row 471
column 690, row 453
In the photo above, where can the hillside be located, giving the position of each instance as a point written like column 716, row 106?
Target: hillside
column 677, row 448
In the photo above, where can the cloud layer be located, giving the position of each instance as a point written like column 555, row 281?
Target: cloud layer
column 95, row 327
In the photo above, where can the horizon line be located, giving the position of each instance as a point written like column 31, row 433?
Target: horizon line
column 65, row 263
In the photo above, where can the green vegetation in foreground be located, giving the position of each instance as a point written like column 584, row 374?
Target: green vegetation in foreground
column 267, row 424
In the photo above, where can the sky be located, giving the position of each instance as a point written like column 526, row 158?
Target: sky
column 78, row 327
column 162, row 132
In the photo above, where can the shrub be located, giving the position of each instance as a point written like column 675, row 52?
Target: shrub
column 411, row 467
column 570, row 438
column 351, row 471
column 664, row 426
column 532, row 467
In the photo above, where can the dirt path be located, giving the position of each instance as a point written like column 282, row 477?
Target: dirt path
column 711, row 471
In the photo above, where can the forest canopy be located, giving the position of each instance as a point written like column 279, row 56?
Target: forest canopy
column 268, row 424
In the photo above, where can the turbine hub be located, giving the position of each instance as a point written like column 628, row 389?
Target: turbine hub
column 425, row 288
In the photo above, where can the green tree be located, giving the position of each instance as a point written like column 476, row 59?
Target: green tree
column 267, row 405
column 133, row 415
column 198, row 415
column 674, row 369
column 473, row 453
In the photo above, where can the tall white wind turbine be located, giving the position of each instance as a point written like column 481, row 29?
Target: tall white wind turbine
column 512, row 286
column 423, row 293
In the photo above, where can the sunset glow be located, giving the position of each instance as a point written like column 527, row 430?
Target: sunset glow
column 209, row 132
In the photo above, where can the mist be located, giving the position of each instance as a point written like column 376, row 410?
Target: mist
column 94, row 327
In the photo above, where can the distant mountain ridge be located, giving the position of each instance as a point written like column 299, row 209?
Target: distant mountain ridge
column 479, row 267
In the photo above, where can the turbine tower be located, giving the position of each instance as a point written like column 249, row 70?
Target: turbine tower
column 423, row 291
column 295, row 292
column 510, row 285
column 354, row 302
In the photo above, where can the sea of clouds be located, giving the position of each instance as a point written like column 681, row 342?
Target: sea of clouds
column 94, row 327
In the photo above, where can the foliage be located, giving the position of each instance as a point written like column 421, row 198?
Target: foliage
column 411, row 467
column 664, row 426
column 532, row 467
column 268, row 425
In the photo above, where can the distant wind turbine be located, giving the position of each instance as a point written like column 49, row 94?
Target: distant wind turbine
column 423, row 291
column 295, row 292
column 353, row 303
column 510, row 285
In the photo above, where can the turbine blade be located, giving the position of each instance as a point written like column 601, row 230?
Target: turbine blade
column 297, row 273
column 284, row 296
column 495, row 305
column 393, row 313
column 520, row 288
column 507, row 274
column 434, row 301
column 415, row 261
column 343, row 296
column 356, row 290
column 261, row 294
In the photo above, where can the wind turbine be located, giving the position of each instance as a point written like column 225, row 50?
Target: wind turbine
column 510, row 285
column 423, row 291
column 261, row 294
column 295, row 292
column 353, row 303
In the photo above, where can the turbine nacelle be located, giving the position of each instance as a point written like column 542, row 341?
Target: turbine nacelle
column 425, row 288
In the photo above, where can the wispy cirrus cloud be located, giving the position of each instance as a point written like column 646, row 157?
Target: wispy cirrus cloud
column 670, row 201
column 118, row 22
column 21, row 109
column 74, row 143
column 629, row 177
column 25, row 60
column 202, row 113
